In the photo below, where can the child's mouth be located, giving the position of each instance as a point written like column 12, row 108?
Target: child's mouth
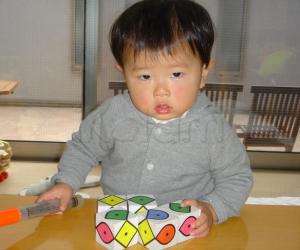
column 162, row 109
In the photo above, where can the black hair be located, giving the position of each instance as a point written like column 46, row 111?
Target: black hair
column 153, row 25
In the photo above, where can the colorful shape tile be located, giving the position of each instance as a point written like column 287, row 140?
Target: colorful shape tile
column 166, row 234
column 178, row 208
column 186, row 228
column 117, row 215
column 126, row 234
column 141, row 199
column 105, row 233
column 155, row 214
column 141, row 210
column 112, row 200
column 145, row 232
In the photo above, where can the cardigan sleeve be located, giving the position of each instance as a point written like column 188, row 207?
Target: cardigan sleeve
column 86, row 149
column 230, row 170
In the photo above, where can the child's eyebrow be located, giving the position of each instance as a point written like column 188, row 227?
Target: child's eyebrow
column 171, row 65
column 137, row 68
column 178, row 65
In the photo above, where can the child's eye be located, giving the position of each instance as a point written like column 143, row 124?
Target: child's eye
column 144, row 77
column 177, row 75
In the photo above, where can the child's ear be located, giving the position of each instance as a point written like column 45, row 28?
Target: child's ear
column 204, row 75
column 211, row 64
column 205, row 71
column 119, row 68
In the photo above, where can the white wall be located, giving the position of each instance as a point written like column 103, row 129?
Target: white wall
column 109, row 11
column 273, row 26
column 36, row 38
column 35, row 50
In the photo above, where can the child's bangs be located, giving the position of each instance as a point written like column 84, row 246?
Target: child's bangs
column 158, row 39
column 155, row 52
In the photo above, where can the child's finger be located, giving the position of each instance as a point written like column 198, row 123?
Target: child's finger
column 200, row 221
column 63, row 204
column 189, row 202
column 44, row 197
column 200, row 226
column 200, row 232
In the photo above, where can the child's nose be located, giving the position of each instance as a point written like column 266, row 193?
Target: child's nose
column 161, row 90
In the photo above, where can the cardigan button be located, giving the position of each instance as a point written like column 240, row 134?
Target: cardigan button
column 150, row 166
column 158, row 131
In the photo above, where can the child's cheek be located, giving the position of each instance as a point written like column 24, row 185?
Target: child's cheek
column 142, row 101
column 179, row 91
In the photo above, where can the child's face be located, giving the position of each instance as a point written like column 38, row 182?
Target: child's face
column 164, row 86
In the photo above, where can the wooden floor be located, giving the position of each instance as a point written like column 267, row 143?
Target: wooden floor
column 267, row 183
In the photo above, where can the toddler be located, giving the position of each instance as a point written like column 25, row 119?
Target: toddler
column 164, row 137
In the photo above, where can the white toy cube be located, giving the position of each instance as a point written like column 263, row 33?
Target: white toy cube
column 186, row 216
column 140, row 203
column 107, row 202
column 116, row 229
column 157, row 229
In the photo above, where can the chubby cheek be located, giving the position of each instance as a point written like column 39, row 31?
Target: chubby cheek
column 179, row 91
column 141, row 101
column 187, row 96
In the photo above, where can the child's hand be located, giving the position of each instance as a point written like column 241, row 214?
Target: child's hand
column 61, row 191
column 202, row 225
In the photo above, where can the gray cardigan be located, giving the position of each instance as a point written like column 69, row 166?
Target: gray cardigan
column 198, row 156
